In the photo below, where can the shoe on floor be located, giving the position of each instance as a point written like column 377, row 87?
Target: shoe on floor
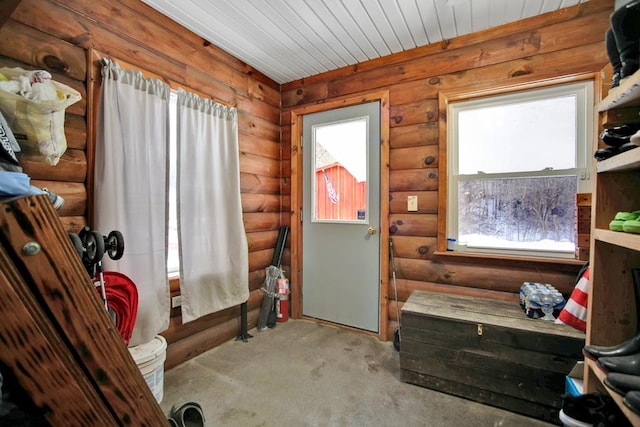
column 595, row 409
column 187, row 415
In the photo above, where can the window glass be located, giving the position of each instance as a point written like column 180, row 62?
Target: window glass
column 340, row 162
column 515, row 164
column 518, row 136
column 173, row 254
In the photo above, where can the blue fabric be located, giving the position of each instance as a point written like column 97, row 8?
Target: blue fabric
column 17, row 184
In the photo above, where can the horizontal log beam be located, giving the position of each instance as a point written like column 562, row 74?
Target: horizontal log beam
column 196, row 344
column 72, row 167
column 489, row 277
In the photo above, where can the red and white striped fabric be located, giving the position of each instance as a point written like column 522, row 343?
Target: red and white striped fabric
column 574, row 312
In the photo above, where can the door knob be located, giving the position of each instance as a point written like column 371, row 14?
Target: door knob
column 372, row 230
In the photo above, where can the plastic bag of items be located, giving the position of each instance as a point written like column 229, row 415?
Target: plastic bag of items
column 33, row 105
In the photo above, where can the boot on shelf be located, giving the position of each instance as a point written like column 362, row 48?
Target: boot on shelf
column 626, row 348
column 614, row 57
column 632, row 401
column 622, row 383
column 626, row 34
column 622, row 364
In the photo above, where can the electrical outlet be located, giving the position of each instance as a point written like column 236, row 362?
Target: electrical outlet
column 176, row 301
column 412, row 203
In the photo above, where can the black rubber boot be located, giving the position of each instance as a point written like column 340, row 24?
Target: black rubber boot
column 623, row 364
column 632, row 401
column 626, row 32
column 626, row 348
column 622, row 383
column 614, row 57
column 635, row 276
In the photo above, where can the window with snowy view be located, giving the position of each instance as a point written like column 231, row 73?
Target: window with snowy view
column 515, row 163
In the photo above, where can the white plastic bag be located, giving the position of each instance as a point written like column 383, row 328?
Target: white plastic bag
column 36, row 116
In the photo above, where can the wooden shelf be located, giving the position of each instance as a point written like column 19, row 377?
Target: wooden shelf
column 618, row 238
column 626, row 161
column 632, row 416
column 611, row 307
column 627, row 94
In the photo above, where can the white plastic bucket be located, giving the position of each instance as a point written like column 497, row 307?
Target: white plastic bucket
column 150, row 359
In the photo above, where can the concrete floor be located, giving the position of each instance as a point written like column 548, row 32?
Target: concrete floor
column 302, row 373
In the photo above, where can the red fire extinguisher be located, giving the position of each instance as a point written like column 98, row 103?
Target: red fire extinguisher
column 282, row 305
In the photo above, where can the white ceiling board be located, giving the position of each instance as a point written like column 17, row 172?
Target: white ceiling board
column 390, row 25
column 292, row 39
column 411, row 14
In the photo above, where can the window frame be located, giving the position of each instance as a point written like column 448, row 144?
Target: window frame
column 447, row 199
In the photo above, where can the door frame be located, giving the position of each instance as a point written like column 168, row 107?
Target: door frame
column 295, row 234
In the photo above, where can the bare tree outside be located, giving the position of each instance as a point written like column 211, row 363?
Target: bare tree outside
column 518, row 209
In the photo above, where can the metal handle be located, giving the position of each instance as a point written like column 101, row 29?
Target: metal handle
column 372, row 230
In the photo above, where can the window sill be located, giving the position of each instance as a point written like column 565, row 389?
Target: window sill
column 509, row 260
column 174, row 282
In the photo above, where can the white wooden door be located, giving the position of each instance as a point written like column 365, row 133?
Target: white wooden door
column 341, row 216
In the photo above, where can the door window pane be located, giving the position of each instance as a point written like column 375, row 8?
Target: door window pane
column 340, row 164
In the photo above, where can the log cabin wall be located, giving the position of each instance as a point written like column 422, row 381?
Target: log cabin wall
column 564, row 43
column 58, row 36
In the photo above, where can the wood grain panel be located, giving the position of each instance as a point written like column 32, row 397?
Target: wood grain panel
column 256, row 202
column 506, row 279
column 59, row 282
column 252, row 183
column 422, row 111
column 259, row 165
column 413, row 135
column 413, row 157
column 44, row 352
column 72, row 167
column 260, row 259
column 565, row 15
column 546, row 39
column 206, row 339
column 42, row 50
column 421, row 225
column 75, row 130
column 74, row 194
column 255, row 145
column 261, row 221
column 413, row 180
column 427, row 201
column 256, row 126
column 259, row 240
column 406, row 287
column 178, row 330
column 415, row 247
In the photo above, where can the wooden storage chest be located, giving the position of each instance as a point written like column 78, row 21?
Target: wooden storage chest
column 488, row 351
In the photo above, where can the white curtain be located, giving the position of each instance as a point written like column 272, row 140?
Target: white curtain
column 131, row 187
column 213, row 247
